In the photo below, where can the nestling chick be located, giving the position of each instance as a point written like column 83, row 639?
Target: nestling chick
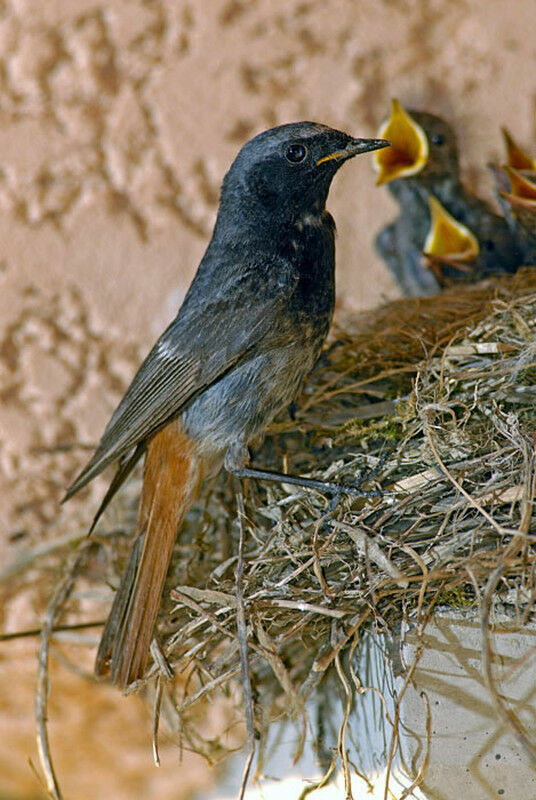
column 515, row 189
column 451, row 250
column 516, row 157
column 423, row 164
column 516, row 193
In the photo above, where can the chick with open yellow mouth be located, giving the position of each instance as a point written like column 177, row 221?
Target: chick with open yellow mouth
column 522, row 192
column 423, row 163
column 515, row 191
column 450, row 248
column 516, row 157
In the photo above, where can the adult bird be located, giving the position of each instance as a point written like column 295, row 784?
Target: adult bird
column 423, row 163
column 250, row 328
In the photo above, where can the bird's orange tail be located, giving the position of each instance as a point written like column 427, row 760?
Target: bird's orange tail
column 171, row 482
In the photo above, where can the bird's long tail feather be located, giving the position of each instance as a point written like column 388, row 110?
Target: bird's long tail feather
column 171, row 482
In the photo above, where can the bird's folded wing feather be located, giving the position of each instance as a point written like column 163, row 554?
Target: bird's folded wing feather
column 208, row 337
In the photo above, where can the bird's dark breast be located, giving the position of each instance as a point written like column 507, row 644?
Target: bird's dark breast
column 312, row 248
column 244, row 401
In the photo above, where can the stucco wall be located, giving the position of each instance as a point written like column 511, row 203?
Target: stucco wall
column 118, row 120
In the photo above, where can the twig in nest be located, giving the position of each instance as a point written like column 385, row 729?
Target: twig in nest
column 187, row 600
column 360, row 689
column 61, row 593
column 395, row 736
column 366, row 544
column 341, row 739
column 279, row 669
column 425, row 574
column 324, row 660
column 500, row 530
column 323, row 780
column 301, row 605
column 156, row 719
column 208, row 687
column 161, row 661
column 243, row 640
column 80, row 626
column 426, row 760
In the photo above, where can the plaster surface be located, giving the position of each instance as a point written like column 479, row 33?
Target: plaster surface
column 118, row 120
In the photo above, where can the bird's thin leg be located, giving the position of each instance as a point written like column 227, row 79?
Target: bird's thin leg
column 237, row 457
column 300, row 480
column 375, row 471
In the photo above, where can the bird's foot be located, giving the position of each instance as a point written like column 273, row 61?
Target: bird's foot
column 328, row 487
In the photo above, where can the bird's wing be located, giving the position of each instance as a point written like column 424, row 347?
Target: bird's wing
column 207, row 339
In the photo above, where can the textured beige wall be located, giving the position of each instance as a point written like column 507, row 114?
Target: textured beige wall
column 118, row 120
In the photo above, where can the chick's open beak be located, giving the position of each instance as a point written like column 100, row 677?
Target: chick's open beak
column 522, row 190
column 516, row 157
column 354, row 148
column 448, row 240
column 408, row 154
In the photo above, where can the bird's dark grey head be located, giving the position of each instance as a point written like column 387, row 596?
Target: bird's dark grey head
column 286, row 171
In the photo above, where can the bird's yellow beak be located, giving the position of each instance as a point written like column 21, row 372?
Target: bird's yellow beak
column 516, row 157
column 448, row 241
column 522, row 189
column 408, row 153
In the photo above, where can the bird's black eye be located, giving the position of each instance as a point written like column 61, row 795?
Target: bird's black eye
column 489, row 245
column 438, row 139
column 295, row 153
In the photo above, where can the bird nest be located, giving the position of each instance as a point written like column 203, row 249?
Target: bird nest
column 428, row 404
